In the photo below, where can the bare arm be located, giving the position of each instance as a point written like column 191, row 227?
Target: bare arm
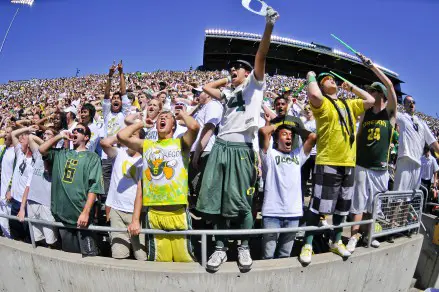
column 108, row 85
column 134, row 227
column 46, row 146
column 264, row 45
column 264, row 137
column 391, row 94
column 125, row 137
column 269, row 112
column 205, row 135
column 435, row 146
column 212, row 88
column 18, row 132
column 85, row 214
column 123, row 86
column 133, row 118
column 35, row 142
column 192, row 129
column 107, row 146
column 314, row 93
column 368, row 100
column 310, row 141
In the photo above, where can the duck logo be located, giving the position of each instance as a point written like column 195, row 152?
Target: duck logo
column 158, row 167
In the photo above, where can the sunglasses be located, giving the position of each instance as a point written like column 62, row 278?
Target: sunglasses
column 79, row 131
column 411, row 102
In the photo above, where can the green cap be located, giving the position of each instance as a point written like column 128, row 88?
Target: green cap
column 323, row 75
column 377, row 86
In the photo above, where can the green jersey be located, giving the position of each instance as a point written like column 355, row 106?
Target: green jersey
column 74, row 175
column 373, row 140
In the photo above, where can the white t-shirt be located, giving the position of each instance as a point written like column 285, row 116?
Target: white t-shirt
column 151, row 133
column 210, row 113
column 411, row 142
column 311, row 126
column 127, row 171
column 241, row 109
column 22, row 171
column 428, row 167
column 282, row 187
column 39, row 182
column 7, row 170
column 179, row 131
column 96, row 133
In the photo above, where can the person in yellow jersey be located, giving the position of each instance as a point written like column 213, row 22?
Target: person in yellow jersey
column 165, row 185
column 336, row 155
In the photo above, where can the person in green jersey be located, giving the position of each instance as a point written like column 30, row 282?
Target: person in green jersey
column 373, row 144
column 76, row 180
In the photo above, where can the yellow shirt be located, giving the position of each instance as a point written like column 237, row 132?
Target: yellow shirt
column 165, row 173
column 333, row 146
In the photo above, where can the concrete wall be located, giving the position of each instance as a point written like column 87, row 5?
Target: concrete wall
column 389, row 268
column 427, row 270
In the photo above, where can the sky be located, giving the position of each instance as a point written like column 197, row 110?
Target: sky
column 54, row 37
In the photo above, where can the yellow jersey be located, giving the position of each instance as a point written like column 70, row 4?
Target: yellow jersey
column 333, row 145
column 165, row 173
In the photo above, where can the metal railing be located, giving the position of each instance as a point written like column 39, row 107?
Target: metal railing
column 395, row 212
column 204, row 233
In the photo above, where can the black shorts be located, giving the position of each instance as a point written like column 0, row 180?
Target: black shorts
column 79, row 241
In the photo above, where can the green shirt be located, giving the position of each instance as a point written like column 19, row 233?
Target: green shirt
column 74, row 175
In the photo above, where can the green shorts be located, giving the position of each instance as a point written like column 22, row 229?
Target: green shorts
column 229, row 179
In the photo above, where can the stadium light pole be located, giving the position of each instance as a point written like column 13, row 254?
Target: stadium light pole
column 20, row 2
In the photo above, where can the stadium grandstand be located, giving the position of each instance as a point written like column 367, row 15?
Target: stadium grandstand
column 288, row 57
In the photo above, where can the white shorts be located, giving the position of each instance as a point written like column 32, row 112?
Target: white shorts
column 41, row 212
column 5, row 209
column 407, row 175
column 368, row 183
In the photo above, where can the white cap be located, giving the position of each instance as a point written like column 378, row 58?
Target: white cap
column 71, row 109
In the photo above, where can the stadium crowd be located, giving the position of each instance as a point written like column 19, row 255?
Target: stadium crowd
column 157, row 150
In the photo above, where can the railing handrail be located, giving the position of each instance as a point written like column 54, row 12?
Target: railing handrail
column 195, row 232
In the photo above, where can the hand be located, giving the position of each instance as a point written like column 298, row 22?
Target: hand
column 20, row 215
column 267, row 118
column 310, row 74
column 112, row 70
column 148, row 123
column 347, row 86
column 33, row 128
column 83, row 220
column 366, row 61
column 120, row 67
column 179, row 112
column 65, row 134
column 134, row 228
column 8, row 196
column 272, row 16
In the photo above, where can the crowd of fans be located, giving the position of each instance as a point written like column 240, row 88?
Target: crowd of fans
column 158, row 150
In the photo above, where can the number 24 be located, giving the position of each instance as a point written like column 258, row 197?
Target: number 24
column 374, row 134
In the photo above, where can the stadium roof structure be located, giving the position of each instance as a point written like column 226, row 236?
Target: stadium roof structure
column 287, row 57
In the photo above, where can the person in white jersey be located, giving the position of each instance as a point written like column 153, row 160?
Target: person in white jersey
column 7, row 158
column 22, row 171
column 429, row 169
column 230, row 176
column 308, row 166
column 281, row 167
column 37, row 196
column 208, row 115
column 413, row 135
column 125, row 182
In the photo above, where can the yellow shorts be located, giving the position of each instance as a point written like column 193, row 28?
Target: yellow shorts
column 169, row 248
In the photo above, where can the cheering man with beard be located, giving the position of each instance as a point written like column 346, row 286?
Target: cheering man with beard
column 230, row 175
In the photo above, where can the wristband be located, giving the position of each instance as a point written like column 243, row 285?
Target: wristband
column 312, row 79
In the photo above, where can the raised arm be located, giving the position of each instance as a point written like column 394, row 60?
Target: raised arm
column 15, row 134
column 110, row 78
column 391, row 93
column 35, row 142
column 46, row 146
column 314, row 93
column 264, row 45
column 123, row 86
column 107, row 146
column 125, row 137
column 192, row 129
column 213, row 88
column 310, row 141
column 264, row 135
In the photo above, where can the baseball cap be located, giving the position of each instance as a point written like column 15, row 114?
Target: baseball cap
column 323, row 75
column 241, row 64
column 71, row 109
column 378, row 86
column 286, row 89
column 197, row 90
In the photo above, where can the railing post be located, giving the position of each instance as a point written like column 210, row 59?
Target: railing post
column 203, row 249
column 31, row 232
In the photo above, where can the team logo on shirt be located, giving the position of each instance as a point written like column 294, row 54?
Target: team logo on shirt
column 287, row 160
column 128, row 170
column 158, row 166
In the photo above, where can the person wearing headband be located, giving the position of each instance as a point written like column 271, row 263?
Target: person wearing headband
column 335, row 159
